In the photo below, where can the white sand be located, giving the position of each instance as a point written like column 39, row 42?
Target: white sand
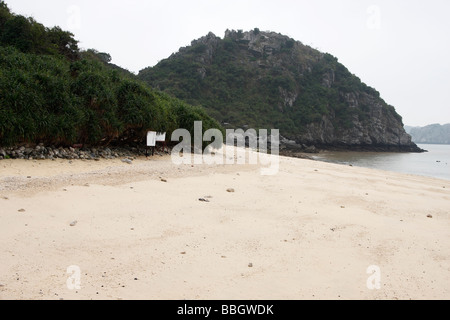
column 310, row 232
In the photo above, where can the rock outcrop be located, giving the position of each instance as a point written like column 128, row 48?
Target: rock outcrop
column 268, row 80
column 41, row 152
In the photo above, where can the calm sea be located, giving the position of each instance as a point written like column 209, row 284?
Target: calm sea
column 434, row 163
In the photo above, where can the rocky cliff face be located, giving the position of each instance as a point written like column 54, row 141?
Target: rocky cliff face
column 268, row 80
column 383, row 130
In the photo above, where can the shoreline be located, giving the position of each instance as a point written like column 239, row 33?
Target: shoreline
column 317, row 148
column 42, row 152
column 434, row 163
column 310, row 232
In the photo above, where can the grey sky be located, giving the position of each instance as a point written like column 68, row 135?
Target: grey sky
column 399, row 47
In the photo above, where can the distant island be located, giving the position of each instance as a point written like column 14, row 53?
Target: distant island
column 433, row 134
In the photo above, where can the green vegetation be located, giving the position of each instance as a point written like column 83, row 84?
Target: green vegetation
column 283, row 86
column 51, row 92
column 29, row 36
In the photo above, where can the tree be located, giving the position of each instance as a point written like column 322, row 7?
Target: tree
column 96, row 55
column 39, row 37
column 5, row 15
column 105, row 57
column 64, row 42
column 17, row 33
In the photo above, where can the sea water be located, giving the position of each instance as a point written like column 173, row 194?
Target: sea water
column 434, row 163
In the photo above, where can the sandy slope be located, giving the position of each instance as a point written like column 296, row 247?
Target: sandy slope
column 309, row 232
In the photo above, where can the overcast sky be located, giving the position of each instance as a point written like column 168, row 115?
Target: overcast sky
column 399, row 47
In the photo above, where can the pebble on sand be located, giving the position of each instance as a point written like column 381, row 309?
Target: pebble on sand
column 203, row 200
column 231, row 190
column 163, row 180
column 21, row 210
column 250, row 265
column 73, row 223
column 430, row 216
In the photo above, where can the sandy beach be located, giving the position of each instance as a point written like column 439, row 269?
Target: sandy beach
column 140, row 231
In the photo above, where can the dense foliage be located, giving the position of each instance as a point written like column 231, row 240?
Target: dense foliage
column 51, row 92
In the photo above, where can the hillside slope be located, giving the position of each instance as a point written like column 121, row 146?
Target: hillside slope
column 53, row 93
column 267, row 80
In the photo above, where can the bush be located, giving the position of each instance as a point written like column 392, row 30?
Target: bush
column 52, row 100
column 52, row 93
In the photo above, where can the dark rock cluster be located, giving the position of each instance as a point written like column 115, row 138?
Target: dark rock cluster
column 41, row 152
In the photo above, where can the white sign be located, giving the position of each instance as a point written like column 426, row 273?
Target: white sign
column 151, row 139
column 160, row 137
